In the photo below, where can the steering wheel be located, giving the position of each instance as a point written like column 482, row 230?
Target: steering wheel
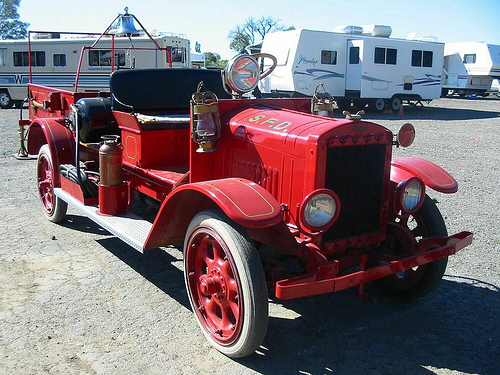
column 269, row 70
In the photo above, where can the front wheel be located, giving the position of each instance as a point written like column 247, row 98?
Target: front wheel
column 54, row 207
column 225, row 284
column 396, row 103
column 418, row 281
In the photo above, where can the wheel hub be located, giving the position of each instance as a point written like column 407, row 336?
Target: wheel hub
column 213, row 284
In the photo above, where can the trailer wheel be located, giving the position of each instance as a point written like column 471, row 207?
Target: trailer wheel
column 396, row 103
column 54, row 207
column 418, row 281
column 225, row 284
column 378, row 105
column 5, row 100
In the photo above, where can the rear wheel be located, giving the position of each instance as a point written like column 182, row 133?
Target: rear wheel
column 378, row 105
column 5, row 100
column 418, row 281
column 54, row 207
column 225, row 284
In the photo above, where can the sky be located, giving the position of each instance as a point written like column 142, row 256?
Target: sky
column 209, row 22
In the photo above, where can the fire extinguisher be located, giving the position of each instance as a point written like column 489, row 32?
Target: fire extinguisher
column 110, row 161
column 113, row 192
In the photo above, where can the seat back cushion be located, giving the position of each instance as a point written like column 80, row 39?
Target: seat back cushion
column 154, row 90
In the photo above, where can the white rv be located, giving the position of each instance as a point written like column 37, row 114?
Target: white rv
column 354, row 66
column 470, row 67
column 56, row 58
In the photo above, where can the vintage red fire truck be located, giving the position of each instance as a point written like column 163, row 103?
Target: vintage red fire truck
column 266, row 195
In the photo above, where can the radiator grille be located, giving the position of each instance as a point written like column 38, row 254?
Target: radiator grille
column 356, row 175
column 263, row 175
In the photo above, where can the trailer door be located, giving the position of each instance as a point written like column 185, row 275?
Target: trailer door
column 354, row 65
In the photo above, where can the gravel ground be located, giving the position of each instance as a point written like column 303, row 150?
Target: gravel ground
column 75, row 300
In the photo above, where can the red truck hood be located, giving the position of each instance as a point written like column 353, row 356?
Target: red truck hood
column 290, row 130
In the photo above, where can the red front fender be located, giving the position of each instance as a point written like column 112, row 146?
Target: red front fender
column 243, row 201
column 433, row 175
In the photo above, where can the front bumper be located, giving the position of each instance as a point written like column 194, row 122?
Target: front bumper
column 316, row 283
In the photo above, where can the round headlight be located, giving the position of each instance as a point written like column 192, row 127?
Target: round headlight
column 242, row 74
column 412, row 193
column 320, row 209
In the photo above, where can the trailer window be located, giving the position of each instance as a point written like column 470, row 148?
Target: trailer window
column 416, row 58
column 178, row 54
column 3, row 56
column 354, row 55
column 392, row 56
column 470, row 58
column 421, row 58
column 427, row 59
column 385, row 56
column 59, row 59
column 103, row 58
column 37, row 58
column 329, row 57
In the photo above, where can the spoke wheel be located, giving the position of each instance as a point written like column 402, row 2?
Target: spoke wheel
column 54, row 208
column 225, row 283
column 418, row 281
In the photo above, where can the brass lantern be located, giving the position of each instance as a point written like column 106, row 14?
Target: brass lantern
column 322, row 102
column 205, row 119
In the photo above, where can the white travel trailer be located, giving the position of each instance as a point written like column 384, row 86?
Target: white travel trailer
column 470, row 67
column 354, row 66
column 57, row 57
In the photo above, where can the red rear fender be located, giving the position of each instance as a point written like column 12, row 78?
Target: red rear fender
column 433, row 175
column 58, row 137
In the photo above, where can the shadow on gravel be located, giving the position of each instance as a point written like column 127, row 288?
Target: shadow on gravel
column 155, row 266
column 82, row 224
column 455, row 328
column 433, row 113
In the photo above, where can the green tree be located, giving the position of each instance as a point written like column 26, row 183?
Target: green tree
column 10, row 25
column 213, row 59
column 253, row 31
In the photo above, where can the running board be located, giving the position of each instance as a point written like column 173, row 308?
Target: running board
column 130, row 228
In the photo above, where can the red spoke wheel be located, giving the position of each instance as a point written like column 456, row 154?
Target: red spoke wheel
column 418, row 281
column 54, row 208
column 225, row 283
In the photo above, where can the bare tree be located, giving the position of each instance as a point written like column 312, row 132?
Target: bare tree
column 253, row 31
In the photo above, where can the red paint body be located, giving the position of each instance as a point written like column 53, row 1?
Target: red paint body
column 271, row 155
